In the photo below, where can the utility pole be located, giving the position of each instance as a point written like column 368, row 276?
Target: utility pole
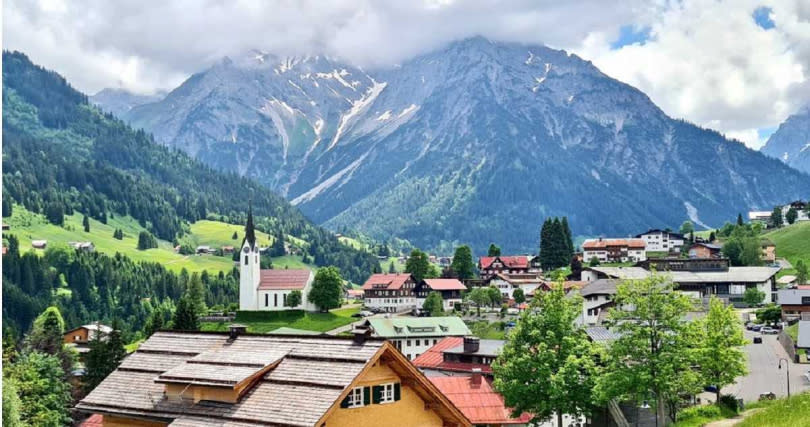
column 787, row 374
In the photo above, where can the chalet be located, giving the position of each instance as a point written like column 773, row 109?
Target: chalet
column 704, row 250
column 227, row 249
column 787, row 281
column 238, row 379
column 268, row 290
column 614, row 250
column 450, row 289
column 392, row 292
column 80, row 337
column 508, row 283
column 83, row 246
column 521, row 264
column 353, row 294
column 475, row 397
column 459, row 356
column 657, row 240
column 759, row 216
column 794, row 302
column 39, row 244
column 415, row 335
column 801, row 210
column 597, row 297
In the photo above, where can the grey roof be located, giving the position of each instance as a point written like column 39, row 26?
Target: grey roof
column 311, row 374
column 485, row 348
column 804, row 334
column 601, row 334
column 792, row 296
column 622, row 272
column 406, row 327
column 599, row 287
column 734, row 274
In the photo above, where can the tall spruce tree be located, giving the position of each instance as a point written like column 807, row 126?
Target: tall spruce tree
column 185, row 318
column 569, row 239
column 462, row 263
column 86, row 224
column 494, row 250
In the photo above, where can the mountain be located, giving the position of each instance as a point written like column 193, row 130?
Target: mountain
column 62, row 155
column 791, row 142
column 474, row 143
column 120, row 101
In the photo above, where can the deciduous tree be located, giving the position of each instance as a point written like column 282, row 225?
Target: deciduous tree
column 463, row 263
column 327, row 289
column 791, row 215
column 518, row 295
column 434, row 304
column 753, row 296
column 687, row 227
column 801, row 272
column 720, row 355
column 44, row 393
column 294, row 299
column 479, row 296
column 418, row 265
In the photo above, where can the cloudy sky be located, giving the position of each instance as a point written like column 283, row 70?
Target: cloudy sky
column 738, row 66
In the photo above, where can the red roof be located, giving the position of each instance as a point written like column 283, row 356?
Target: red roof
column 433, row 358
column 391, row 281
column 284, row 279
column 604, row 243
column 803, row 287
column 95, row 420
column 480, row 403
column 445, row 284
column 520, row 261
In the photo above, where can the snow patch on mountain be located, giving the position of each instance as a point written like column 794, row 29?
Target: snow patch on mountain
column 358, row 107
column 332, row 180
column 692, row 213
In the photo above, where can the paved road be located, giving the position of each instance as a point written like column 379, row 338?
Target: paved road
column 763, row 372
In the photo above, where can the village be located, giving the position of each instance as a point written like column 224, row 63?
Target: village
column 421, row 349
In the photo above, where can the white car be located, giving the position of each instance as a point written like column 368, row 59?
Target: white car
column 807, row 376
column 767, row 330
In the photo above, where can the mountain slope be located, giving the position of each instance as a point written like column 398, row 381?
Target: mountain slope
column 61, row 155
column 473, row 143
column 791, row 142
column 120, row 101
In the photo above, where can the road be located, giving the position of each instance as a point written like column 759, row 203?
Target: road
column 763, row 372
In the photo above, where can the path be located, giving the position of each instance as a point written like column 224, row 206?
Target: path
column 729, row 422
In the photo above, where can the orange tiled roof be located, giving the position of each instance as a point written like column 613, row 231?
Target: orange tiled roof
column 479, row 402
column 445, row 284
column 520, row 261
column 433, row 358
column 604, row 243
column 391, row 281
column 284, row 279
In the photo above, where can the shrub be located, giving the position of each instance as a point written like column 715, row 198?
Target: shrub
column 703, row 411
column 730, row 402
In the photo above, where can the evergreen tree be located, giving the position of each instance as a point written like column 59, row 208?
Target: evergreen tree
column 791, row 215
column 569, row 239
column 196, row 294
column 55, row 213
column 235, row 236
column 118, row 234
column 96, row 362
column 546, row 245
column 155, row 323
column 185, row 318
column 418, row 265
column 86, row 224
column 739, row 219
column 776, row 217
column 146, row 241
column 434, row 304
column 116, row 350
column 391, row 268
column 493, row 250
column 12, row 406
column 712, row 237
column 576, row 268
column 278, row 245
column 462, row 263
column 7, row 207
column 327, row 289
column 801, row 272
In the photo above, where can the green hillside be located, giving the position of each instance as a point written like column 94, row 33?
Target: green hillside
column 792, row 242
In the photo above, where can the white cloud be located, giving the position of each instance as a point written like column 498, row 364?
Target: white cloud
column 708, row 61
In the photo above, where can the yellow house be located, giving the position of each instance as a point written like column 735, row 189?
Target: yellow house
column 215, row 379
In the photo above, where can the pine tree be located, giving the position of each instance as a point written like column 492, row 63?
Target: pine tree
column 86, row 224
column 7, row 207
column 493, row 250
column 185, row 318
column 95, row 362
column 569, row 239
column 196, row 294
column 391, row 268
column 235, row 236
column 776, row 217
column 740, row 219
column 463, row 263
column 546, row 245
column 791, row 215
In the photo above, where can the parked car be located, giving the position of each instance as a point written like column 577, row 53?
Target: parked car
column 757, row 339
column 807, row 376
column 366, row 313
column 756, row 327
column 749, row 325
column 767, row 330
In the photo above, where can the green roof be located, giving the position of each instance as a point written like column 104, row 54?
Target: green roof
column 292, row 331
column 419, row 327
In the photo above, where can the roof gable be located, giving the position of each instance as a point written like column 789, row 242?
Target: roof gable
column 445, row 284
column 386, row 281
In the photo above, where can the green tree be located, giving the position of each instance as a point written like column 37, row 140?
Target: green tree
column 327, row 289
column 776, row 217
column 547, row 367
column 146, row 241
column 743, row 248
column 653, row 355
column 569, row 239
column 801, row 272
column 294, row 299
column 434, row 304
column 770, row 314
column 55, row 213
column 185, row 318
column 480, row 297
column 555, row 250
column 86, row 224
column 278, row 248
column 495, row 296
column 739, row 219
column 576, row 268
column 391, row 268
column 12, row 405
column 155, row 322
column 46, row 337
column 494, row 250
column 519, row 296
column 720, row 356
column 593, row 262
column 418, row 265
column 8, row 209
column 791, row 215
column 196, row 294
column 44, row 393
column 753, row 296
column 463, row 263
column 96, row 362
column 687, row 227
column 235, row 236
column 118, row 234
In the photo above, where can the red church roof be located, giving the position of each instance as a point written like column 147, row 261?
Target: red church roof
column 479, row 402
column 391, row 281
column 520, row 261
column 445, row 284
column 284, row 279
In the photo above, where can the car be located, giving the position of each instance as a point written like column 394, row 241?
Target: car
column 757, row 339
column 749, row 325
column 710, row 388
column 767, row 330
column 756, row 328
column 365, row 313
column 358, row 314
column 807, row 376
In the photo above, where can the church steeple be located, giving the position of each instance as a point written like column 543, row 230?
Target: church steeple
column 250, row 232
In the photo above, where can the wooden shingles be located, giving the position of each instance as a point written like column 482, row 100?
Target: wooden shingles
column 152, row 362
column 315, row 372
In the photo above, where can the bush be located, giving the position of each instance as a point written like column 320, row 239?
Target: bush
column 703, row 411
column 730, row 402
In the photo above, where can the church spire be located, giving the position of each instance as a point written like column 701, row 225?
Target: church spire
column 250, row 232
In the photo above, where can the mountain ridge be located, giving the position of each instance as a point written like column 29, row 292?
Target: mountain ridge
column 791, row 141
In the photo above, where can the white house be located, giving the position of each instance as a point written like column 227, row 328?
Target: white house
column 392, row 293
column 614, row 250
column 597, row 296
column 268, row 290
column 415, row 335
column 508, row 283
column 661, row 241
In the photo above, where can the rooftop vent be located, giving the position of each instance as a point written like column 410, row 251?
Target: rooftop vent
column 236, row 329
column 475, row 379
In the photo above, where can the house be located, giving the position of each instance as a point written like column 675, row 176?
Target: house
column 685, row 264
column 459, row 356
column 760, row 216
column 204, row 250
column 768, row 251
column 450, row 289
column 39, row 244
column 227, row 249
column 268, row 290
column 787, row 281
column 794, row 302
column 353, row 294
column 392, row 292
column 657, row 240
column 415, row 335
column 184, row 378
column 614, row 250
column 800, row 208
column 80, row 337
column 597, row 297
column 601, row 334
column 508, row 283
column 83, row 246
column 704, row 250
column 478, row 400
column 803, row 337
column 520, row 264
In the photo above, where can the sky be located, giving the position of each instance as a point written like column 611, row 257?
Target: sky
column 738, row 66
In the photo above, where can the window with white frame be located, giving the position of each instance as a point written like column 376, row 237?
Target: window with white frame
column 387, row 393
column 356, row 397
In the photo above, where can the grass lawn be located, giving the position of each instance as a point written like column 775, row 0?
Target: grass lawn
column 131, row 347
column 792, row 242
column 263, row 322
column 697, row 416
column 793, row 412
column 486, row 330
column 218, row 234
column 290, row 261
column 386, row 263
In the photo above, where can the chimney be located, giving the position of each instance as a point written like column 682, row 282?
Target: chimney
column 475, row 379
column 471, row 344
column 361, row 333
column 236, row 330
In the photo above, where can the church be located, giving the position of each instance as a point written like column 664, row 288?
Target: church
column 268, row 290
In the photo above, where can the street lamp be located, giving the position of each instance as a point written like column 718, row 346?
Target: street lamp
column 787, row 374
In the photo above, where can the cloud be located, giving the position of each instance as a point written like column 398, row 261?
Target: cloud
column 734, row 65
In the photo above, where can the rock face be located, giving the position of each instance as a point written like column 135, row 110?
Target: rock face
column 474, row 143
column 120, row 101
column 791, row 142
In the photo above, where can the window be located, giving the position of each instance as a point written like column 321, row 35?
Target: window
column 275, row 300
column 408, row 344
column 266, row 300
column 246, row 259
column 386, row 393
column 284, row 300
column 435, row 341
column 357, row 398
column 805, row 300
column 417, row 343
